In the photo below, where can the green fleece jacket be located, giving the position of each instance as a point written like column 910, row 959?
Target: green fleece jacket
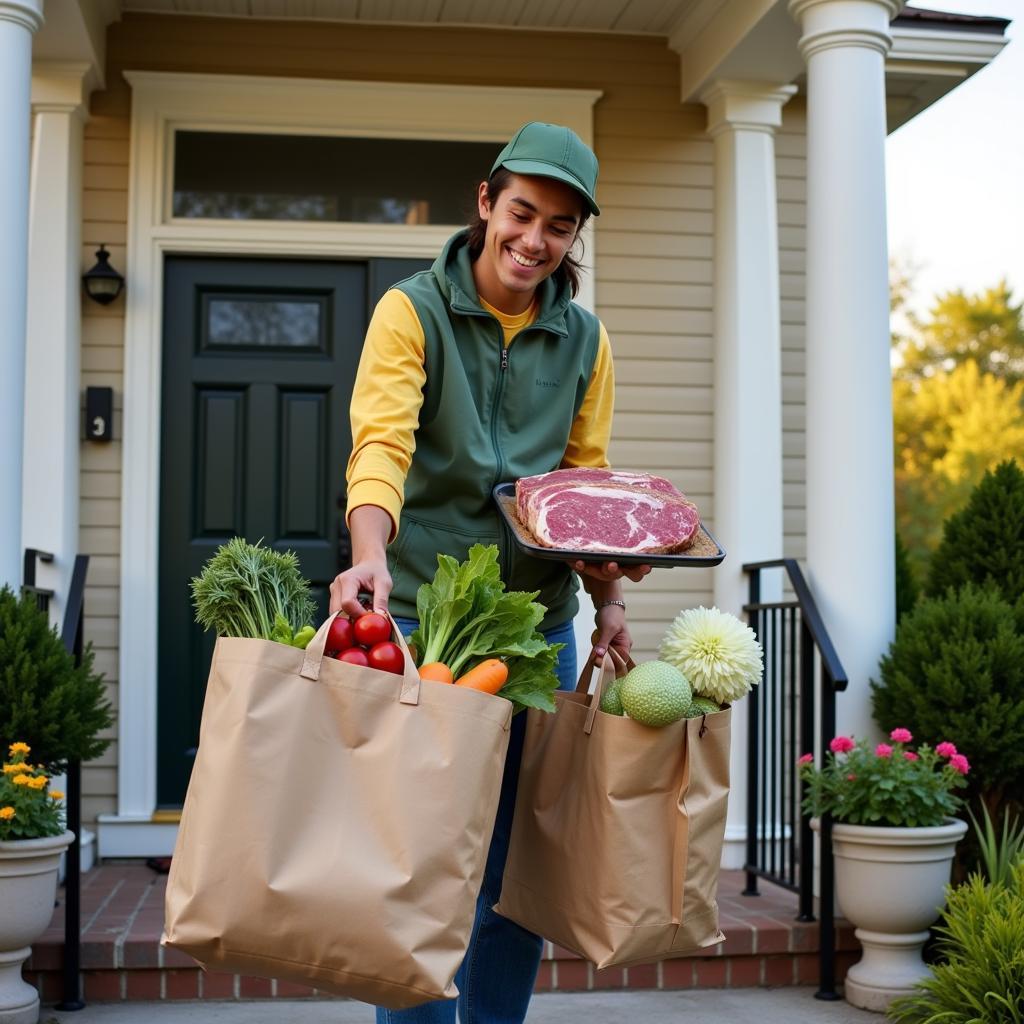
column 490, row 415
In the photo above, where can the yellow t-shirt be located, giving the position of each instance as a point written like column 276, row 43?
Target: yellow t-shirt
column 388, row 395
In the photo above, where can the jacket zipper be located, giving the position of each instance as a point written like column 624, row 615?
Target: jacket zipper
column 499, row 388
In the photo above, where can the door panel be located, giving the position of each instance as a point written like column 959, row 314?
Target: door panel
column 259, row 360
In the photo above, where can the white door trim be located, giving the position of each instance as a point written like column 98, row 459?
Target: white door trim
column 162, row 103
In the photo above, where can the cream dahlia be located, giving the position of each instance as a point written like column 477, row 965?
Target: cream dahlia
column 719, row 655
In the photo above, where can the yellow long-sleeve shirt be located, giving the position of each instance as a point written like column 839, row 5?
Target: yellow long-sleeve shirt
column 388, row 395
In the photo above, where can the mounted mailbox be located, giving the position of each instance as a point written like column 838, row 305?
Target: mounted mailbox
column 99, row 414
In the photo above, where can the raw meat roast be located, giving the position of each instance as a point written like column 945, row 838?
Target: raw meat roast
column 606, row 510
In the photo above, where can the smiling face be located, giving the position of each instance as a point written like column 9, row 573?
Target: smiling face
column 530, row 227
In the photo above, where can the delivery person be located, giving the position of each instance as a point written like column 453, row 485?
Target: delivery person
column 478, row 371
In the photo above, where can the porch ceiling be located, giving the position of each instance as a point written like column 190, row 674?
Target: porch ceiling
column 649, row 17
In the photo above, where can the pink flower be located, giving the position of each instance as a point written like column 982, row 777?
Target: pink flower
column 806, row 759
column 851, row 777
column 883, row 750
column 900, row 736
column 909, row 755
column 841, row 745
column 959, row 764
column 945, row 749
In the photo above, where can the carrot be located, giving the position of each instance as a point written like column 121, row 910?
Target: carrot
column 489, row 676
column 438, row 671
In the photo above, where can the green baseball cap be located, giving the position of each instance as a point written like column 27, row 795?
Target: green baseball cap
column 552, row 151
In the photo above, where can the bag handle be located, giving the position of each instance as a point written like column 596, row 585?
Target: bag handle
column 613, row 665
column 315, row 655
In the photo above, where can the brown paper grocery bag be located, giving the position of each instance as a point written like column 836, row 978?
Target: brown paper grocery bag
column 336, row 823
column 618, row 830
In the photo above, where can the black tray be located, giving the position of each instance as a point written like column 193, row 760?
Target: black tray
column 705, row 550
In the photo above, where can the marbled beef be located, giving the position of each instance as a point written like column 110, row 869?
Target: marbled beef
column 604, row 510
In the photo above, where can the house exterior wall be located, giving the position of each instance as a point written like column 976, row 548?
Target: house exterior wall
column 653, row 244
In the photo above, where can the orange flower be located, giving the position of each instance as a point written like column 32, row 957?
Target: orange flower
column 19, row 748
column 56, row 794
column 6, row 813
column 22, row 780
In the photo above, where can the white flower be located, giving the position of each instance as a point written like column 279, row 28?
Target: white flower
column 714, row 650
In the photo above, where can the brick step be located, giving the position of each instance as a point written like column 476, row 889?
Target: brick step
column 122, row 959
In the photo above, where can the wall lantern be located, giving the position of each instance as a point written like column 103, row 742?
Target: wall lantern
column 103, row 283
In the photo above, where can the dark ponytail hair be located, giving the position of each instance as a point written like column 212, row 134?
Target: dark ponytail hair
column 569, row 269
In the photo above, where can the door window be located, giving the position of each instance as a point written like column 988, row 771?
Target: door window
column 263, row 322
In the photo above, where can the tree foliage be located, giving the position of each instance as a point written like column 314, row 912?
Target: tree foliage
column 983, row 543
column 986, row 328
column 956, row 672
column 949, row 428
column 907, row 589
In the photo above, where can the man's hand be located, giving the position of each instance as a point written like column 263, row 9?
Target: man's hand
column 611, row 632
column 607, row 572
column 370, row 577
column 371, row 530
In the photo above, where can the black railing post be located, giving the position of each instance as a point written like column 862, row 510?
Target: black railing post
column 807, row 703
column 826, row 880
column 752, row 727
column 72, row 635
column 790, row 684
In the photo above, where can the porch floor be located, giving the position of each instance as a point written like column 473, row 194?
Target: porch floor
column 122, row 959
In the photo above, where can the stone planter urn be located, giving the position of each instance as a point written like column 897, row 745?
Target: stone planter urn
column 28, row 885
column 890, row 884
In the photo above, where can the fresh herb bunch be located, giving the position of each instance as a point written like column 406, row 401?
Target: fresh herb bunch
column 248, row 590
column 29, row 809
column 889, row 784
column 466, row 616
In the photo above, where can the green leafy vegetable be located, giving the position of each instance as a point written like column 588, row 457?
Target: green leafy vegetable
column 248, row 590
column 466, row 616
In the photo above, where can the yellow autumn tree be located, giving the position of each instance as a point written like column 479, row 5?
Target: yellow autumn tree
column 949, row 428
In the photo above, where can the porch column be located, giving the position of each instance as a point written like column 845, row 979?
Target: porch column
column 52, row 364
column 742, row 118
column 850, row 517
column 19, row 19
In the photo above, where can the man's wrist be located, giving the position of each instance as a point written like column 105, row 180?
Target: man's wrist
column 598, row 605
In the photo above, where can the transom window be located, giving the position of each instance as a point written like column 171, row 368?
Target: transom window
column 246, row 176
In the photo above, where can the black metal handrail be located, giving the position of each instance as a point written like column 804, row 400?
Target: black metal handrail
column 782, row 714
column 28, row 575
column 72, row 636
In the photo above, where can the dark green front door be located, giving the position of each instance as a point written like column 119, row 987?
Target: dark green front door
column 259, row 358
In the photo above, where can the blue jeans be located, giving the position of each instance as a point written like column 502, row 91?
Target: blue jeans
column 496, row 978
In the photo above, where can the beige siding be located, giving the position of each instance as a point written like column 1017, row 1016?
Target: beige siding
column 105, row 211
column 790, row 149
column 654, row 245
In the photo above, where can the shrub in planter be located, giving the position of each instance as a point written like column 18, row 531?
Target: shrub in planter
column 981, row 978
column 956, row 668
column 984, row 542
column 46, row 701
